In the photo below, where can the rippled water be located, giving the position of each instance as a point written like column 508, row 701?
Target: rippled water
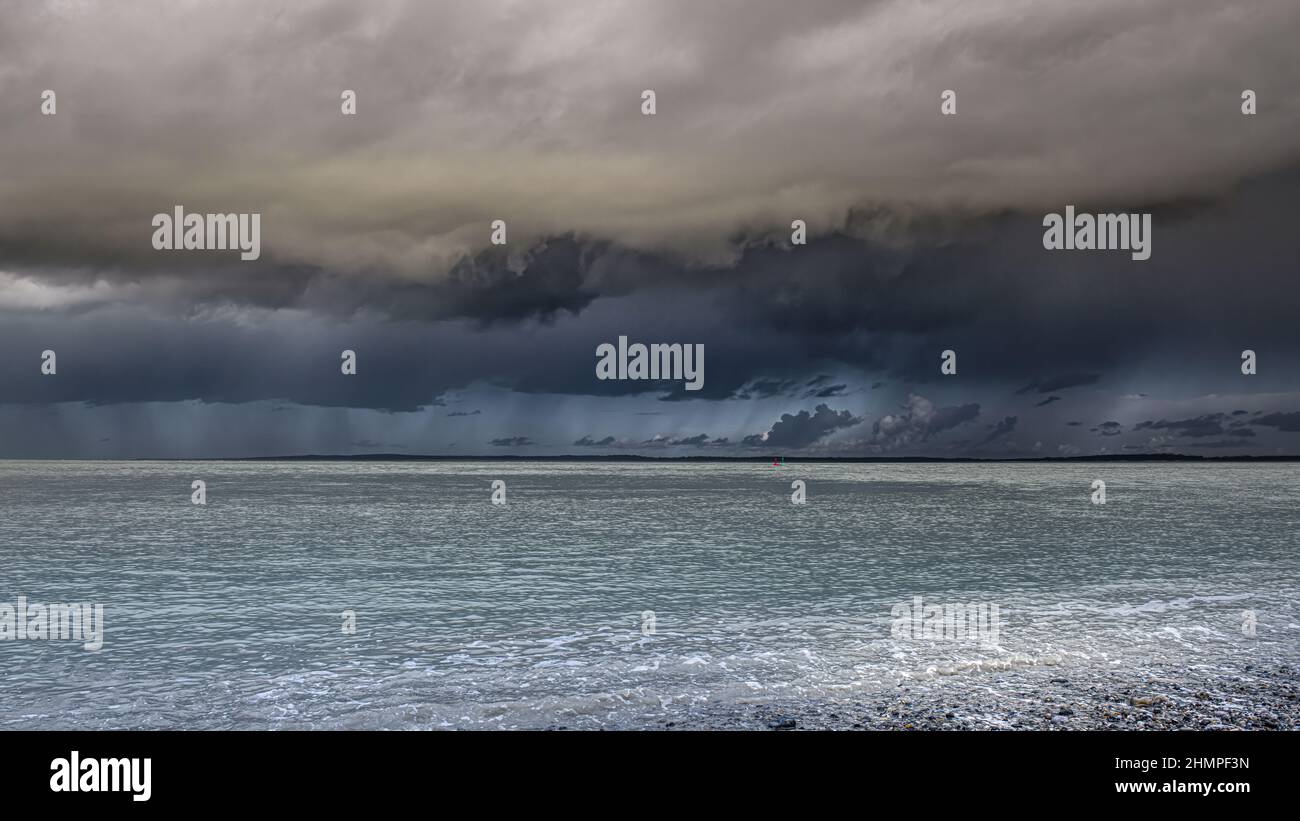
column 530, row 615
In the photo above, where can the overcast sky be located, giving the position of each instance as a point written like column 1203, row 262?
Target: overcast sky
column 924, row 230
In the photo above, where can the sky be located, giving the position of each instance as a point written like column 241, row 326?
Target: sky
column 924, row 229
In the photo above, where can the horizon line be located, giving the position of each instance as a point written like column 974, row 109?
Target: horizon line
column 407, row 457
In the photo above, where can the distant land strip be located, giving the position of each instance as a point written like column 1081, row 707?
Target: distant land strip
column 406, row 457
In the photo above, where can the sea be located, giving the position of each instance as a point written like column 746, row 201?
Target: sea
column 619, row 595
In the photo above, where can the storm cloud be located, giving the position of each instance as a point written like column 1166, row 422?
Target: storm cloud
column 919, row 421
column 1207, row 425
column 924, row 231
column 799, row 430
column 472, row 112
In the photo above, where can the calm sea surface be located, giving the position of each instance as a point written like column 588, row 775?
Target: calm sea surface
column 533, row 614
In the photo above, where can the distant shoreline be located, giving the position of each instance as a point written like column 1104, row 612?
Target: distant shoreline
column 397, row 457
column 403, row 457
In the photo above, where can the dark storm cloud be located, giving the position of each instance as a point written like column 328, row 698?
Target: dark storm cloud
column 765, row 389
column 511, row 442
column 1002, row 428
column 769, row 388
column 919, row 421
column 827, row 392
column 1049, row 400
column 588, row 442
column 470, row 114
column 925, row 232
column 1060, row 383
column 945, row 418
column 552, row 279
column 1071, row 380
column 802, row 429
column 531, row 113
column 1210, row 424
column 1287, row 422
column 119, row 354
column 762, row 321
column 819, row 388
column 692, row 441
column 660, row 442
column 774, row 311
column 123, row 355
